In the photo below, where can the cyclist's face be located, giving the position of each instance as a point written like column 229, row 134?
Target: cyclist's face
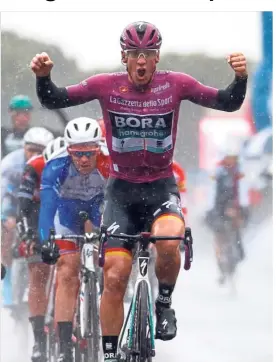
column 32, row 150
column 84, row 157
column 21, row 119
column 141, row 64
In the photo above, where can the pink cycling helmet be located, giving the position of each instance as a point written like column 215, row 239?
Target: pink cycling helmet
column 140, row 35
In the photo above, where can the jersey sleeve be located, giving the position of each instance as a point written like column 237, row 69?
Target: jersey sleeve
column 53, row 97
column 180, row 176
column 229, row 99
column 88, row 90
column 28, row 182
column 103, row 165
column 26, row 190
column 49, row 190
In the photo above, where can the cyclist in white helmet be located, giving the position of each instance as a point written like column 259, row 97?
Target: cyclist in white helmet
column 29, row 204
column 71, row 184
column 55, row 148
column 12, row 166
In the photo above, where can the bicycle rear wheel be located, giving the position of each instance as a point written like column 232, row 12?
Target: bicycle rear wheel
column 141, row 341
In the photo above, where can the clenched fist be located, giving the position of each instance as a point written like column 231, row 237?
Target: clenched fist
column 41, row 65
column 237, row 62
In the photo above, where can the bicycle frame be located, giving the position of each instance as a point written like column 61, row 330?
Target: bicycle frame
column 87, row 267
column 50, row 292
column 142, row 274
column 87, row 257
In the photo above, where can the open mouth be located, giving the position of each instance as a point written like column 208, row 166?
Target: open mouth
column 141, row 72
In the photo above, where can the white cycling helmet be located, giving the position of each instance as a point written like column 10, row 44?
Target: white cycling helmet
column 38, row 136
column 82, row 130
column 54, row 148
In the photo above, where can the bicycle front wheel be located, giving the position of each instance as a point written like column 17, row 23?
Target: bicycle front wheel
column 141, row 340
column 93, row 340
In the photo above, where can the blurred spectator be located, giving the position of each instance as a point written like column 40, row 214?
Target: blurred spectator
column 20, row 108
column 228, row 198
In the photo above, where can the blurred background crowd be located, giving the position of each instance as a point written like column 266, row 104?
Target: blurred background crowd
column 203, row 134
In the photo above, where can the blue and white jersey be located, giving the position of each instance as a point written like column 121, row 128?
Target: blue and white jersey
column 64, row 192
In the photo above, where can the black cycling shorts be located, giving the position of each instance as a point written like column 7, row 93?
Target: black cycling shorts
column 131, row 208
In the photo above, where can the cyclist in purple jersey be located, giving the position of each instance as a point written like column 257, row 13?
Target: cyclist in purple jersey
column 140, row 109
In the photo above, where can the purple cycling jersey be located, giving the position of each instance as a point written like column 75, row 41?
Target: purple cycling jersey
column 141, row 126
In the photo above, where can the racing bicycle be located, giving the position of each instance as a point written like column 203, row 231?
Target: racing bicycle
column 137, row 339
column 87, row 326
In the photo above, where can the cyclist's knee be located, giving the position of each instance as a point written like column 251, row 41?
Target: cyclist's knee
column 116, row 274
column 171, row 225
column 167, row 249
column 67, row 269
column 39, row 273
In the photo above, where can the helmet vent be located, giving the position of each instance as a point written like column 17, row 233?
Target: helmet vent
column 96, row 132
column 76, row 127
column 152, row 34
column 87, row 126
column 129, row 34
column 68, row 134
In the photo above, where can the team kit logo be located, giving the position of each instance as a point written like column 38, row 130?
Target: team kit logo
column 132, row 132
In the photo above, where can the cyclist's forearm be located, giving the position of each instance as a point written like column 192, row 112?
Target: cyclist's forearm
column 231, row 98
column 51, row 96
column 48, row 208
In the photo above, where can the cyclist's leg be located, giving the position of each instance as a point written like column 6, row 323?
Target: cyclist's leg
column 37, row 300
column 94, row 222
column 66, row 293
column 117, row 268
column 168, row 220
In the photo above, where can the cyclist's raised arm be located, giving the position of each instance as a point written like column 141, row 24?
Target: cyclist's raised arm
column 229, row 99
column 48, row 197
column 53, row 97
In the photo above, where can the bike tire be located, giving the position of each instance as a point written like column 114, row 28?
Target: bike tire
column 93, row 342
column 141, row 343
